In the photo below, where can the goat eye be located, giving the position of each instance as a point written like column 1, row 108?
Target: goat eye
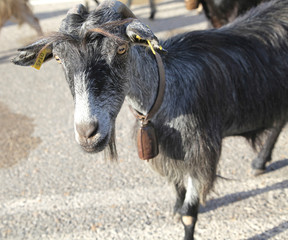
column 121, row 49
column 57, row 59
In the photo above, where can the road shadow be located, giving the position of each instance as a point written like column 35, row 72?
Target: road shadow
column 239, row 196
column 271, row 232
column 146, row 4
column 172, row 23
column 276, row 165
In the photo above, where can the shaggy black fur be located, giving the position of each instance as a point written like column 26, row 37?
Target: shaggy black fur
column 221, row 12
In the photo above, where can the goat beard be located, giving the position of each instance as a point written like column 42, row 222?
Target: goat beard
column 110, row 152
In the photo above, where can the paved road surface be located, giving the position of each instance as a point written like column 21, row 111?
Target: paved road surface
column 50, row 189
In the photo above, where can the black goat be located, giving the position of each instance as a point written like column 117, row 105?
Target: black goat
column 221, row 12
column 220, row 82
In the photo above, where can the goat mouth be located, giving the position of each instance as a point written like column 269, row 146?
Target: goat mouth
column 95, row 147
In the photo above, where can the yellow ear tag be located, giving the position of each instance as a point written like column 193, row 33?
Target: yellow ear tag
column 149, row 43
column 40, row 58
column 152, row 49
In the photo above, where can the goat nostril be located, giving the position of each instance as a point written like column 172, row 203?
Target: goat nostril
column 87, row 130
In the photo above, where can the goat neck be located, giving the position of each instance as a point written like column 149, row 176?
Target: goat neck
column 144, row 79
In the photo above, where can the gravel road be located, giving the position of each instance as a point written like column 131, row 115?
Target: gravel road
column 50, row 189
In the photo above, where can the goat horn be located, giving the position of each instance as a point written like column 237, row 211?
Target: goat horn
column 118, row 7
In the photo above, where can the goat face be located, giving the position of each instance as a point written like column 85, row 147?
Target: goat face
column 98, row 85
column 94, row 51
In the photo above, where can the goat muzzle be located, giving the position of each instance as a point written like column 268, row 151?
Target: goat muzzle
column 87, row 131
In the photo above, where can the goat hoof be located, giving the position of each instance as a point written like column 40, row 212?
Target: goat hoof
column 258, row 166
column 152, row 15
column 257, row 172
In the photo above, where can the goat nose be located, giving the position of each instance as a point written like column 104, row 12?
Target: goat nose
column 87, row 130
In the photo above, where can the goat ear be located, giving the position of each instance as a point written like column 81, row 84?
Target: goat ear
column 39, row 52
column 139, row 33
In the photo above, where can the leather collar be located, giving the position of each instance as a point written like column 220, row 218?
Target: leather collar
column 160, row 94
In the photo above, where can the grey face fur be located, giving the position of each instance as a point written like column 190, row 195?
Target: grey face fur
column 97, row 84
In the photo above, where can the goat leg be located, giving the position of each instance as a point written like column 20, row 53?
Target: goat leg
column 190, row 209
column 152, row 9
column 265, row 153
column 180, row 197
column 31, row 20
